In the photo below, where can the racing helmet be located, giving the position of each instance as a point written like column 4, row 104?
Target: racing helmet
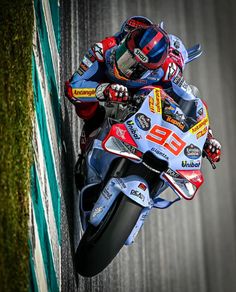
column 141, row 50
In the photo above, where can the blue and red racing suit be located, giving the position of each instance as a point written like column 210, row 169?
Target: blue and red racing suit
column 96, row 68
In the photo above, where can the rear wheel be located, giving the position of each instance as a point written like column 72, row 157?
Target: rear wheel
column 99, row 245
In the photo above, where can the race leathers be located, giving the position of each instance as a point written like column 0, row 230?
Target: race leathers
column 97, row 67
column 97, row 70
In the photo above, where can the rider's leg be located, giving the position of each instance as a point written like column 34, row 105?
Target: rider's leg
column 86, row 137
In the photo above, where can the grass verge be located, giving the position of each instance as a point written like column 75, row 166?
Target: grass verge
column 16, row 98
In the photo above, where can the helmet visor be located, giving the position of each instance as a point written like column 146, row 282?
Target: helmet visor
column 127, row 65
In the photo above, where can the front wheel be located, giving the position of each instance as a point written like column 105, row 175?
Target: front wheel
column 99, row 245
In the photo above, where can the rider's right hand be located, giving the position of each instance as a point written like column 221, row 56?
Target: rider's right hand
column 112, row 92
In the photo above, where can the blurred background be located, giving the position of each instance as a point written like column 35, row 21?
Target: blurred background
column 192, row 245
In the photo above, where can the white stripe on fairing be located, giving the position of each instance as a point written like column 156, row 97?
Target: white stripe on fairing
column 52, row 40
column 51, row 124
column 46, row 199
column 37, row 254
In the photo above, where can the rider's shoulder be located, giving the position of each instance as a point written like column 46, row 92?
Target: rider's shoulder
column 99, row 49
column 170, row 69
column 178, row 52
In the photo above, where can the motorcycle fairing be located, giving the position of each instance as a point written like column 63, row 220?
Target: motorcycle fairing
column 166, row 140
column 171, row 148
column 135, row 138
column 98, row 162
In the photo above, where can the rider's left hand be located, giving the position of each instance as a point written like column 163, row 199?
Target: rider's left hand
column 213, row 149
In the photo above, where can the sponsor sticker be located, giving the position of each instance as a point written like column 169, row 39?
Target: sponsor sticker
column 172, row 173
column 141, row 56
column 142, row 186
column 87, row 62
column 98, row 51
column 83, row 67
column 160, row 153
column 133, row 150
column 106, row 194
column 191, row 164
column 157, row 93
column 192, row 152
column 170, row 72
column 80, row 71
column 133, row 130
column 199, row 126
column 151, row 104
column 177, row 44
column 201, row 133
column 84, row 92
column 155, row 103
column 97, row 211
column 120, row 133
column 178, row 80
column 173, row 121
column 137, row 194
column 120, row 183
column 143, row 122
column 135, row 23
column 200, row 111
column 91, row 57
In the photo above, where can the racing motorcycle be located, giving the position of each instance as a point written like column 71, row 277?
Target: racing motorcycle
column 154, row 143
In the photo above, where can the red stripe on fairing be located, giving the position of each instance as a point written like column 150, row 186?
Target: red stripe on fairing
column 152, row 43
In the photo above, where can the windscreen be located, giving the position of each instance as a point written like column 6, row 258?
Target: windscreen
column 181, row 113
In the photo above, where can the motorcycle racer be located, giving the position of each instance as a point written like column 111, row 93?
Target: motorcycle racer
column 141, row 55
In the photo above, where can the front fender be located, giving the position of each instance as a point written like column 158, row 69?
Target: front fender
column 136, row 189
column 133, row 186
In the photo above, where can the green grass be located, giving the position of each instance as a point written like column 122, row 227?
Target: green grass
column 16, row 26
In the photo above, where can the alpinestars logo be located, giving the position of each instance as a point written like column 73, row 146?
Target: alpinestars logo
column 141, row 55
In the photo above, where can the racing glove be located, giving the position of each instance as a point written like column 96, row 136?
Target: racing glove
column 212, row 148
column 112, row 92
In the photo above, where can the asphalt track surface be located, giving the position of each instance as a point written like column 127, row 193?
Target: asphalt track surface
column 192, row 245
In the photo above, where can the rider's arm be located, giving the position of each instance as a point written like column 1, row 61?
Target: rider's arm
column 81, row 88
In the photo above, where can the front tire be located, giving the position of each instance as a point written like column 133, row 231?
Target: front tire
column 99, row 245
